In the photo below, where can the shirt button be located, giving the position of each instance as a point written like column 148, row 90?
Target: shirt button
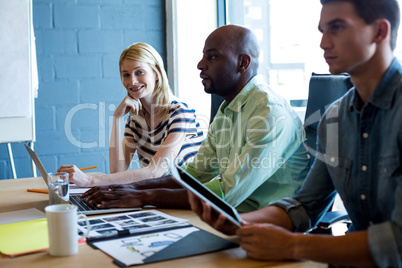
column 332, row 159
column 363, row 197
column 365, row 135
column 364, row 167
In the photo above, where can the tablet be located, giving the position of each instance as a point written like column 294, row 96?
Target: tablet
column 196, row 187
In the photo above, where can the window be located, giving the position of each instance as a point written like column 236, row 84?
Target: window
column 289, row 41
column 189, row 22
column 288, row 36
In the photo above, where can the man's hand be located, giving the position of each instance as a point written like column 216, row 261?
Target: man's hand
column 266, row 241
column 118, row 195
column 210, row 216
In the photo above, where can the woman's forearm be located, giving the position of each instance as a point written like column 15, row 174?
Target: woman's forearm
column 117, row 157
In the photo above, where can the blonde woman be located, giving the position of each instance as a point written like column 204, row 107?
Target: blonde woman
column 158, row 126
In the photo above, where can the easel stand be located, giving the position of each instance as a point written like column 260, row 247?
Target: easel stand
column 17, row 109
column 11, row 158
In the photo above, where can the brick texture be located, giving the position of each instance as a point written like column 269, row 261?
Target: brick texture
column 78, row 45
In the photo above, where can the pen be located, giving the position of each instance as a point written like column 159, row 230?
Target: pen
column 38, row 191
column 85, row 168
column 46, row 191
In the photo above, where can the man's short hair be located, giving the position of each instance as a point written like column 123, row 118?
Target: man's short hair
column 371, row 10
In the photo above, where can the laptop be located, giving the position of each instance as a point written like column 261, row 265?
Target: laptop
column 75, row 199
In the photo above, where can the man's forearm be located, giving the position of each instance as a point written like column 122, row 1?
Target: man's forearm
column 351, row 249
column 270, row 214
column 167, row 198
column 162, row 182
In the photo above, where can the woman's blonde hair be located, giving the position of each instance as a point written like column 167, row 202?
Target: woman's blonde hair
column 145, row 53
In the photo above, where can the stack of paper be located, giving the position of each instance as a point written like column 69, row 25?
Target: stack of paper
column 23, row 237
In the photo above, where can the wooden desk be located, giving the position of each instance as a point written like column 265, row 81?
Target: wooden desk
column 13, row 196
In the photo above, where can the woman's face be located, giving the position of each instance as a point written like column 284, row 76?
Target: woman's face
column 138, row 78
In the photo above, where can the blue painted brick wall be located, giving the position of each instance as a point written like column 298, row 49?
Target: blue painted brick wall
column 78, row 45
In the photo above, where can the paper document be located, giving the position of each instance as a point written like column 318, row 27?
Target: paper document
column 150, row 236
column 21, row 215
column 135, row 249
column 74, row 189
column 23, row 237
column 129, row 223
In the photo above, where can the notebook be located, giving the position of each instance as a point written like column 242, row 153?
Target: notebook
column 75, row 199
column 24, row 237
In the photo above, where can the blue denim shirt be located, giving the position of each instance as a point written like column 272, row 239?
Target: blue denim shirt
column 359, row 154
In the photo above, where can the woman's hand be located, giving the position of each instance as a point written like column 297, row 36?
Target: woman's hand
column 76, row 175
column 126, row 105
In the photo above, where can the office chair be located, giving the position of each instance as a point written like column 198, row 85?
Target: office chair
column 323, row 90
column 216, row 101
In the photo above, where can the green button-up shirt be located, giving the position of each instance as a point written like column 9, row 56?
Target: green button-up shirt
column 255, row 145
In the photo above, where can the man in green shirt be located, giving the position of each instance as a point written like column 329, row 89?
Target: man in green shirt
column 253, row 153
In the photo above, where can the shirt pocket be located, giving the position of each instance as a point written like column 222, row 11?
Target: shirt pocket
column 339, row 170
column 389, row 166
column 389, row 175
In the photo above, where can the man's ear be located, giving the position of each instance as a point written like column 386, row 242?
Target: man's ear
column 383, row 33
column 243, row 63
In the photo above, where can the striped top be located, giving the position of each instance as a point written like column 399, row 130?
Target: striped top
column 179, row 119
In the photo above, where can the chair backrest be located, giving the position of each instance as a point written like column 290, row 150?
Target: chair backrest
column 216, row 101
column 323, row 90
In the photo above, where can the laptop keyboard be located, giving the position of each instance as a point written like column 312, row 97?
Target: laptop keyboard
column 81, row 204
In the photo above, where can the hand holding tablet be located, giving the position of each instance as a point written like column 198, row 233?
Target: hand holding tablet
column 205, row 194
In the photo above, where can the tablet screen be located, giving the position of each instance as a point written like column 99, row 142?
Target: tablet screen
column 207, row 195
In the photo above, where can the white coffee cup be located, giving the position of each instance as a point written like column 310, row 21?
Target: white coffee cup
column 62, row 229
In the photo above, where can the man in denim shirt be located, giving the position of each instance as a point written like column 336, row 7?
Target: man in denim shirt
column 359, row 152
